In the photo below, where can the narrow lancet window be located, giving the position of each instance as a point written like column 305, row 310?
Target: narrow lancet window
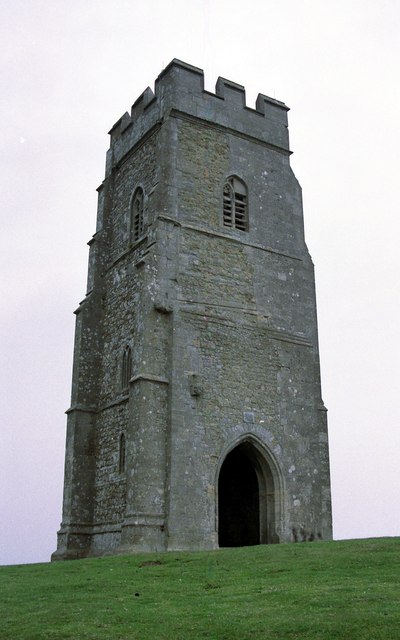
column 126, row 367
column 235, row 212
column 121, row 462
column 137, row 221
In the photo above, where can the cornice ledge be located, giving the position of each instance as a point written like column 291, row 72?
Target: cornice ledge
column 148, row 377
column 83, row 408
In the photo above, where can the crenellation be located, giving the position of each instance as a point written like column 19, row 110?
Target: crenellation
column 181, row 76
column 142, row 103
column 234, row 94
column 126, row 122
column 270, row 106
column 180, row 87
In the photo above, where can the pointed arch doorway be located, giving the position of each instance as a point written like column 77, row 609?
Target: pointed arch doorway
column 247, row 502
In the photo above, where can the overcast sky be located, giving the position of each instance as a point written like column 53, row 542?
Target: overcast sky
column 69, row 70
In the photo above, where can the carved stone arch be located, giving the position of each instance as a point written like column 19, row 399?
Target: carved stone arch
column 249, row 494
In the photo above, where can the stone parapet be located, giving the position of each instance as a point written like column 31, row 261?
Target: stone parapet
column 179, row 89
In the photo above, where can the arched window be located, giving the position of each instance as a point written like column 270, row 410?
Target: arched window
column 126, row 368
column 235, row 213
column 136, row 221
column 122, row 454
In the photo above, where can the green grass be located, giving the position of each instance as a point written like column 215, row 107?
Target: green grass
column 308, row 591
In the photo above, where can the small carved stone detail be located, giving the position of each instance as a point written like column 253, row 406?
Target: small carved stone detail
column 195, row 387
column 163, row 307
column 248, row 416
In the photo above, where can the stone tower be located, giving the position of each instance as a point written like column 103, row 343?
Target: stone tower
column 196, row 418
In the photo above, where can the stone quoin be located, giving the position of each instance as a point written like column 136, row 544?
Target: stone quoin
column 196, row 418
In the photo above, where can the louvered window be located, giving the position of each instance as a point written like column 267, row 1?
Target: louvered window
column 137, row 223
column 235, row 213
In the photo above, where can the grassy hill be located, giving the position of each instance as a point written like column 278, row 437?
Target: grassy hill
column 322, row 590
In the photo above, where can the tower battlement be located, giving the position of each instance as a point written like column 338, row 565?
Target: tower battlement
column 179, row 89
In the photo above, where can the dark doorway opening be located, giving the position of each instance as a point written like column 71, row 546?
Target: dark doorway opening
column 238, row 501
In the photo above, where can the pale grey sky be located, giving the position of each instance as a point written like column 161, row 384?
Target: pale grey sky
column 69, row 70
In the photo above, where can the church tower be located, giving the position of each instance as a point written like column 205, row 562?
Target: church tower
column 196, row 418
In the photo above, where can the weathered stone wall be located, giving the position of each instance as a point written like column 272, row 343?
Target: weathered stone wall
column 202, row 163
column 110, row 495
column 206, row 156
column 247, row 333
column 139, row 169
column 123, row 296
